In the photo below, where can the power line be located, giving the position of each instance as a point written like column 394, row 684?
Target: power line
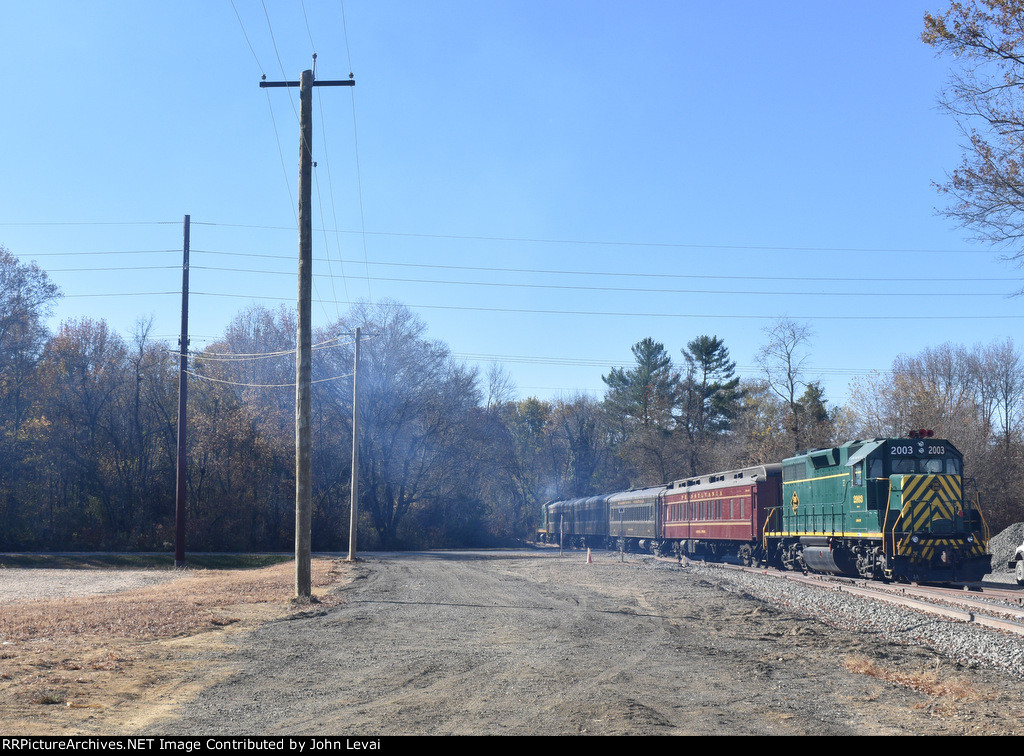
column 539, row 240
column 306, row 18
column 628, row 242
column 538, row 271
column 241, row 357
column 101, row 252
column 647, row 290
column 263, row 385
column 589, row 362
column 344, row 33
column 242, row 26
column 718, row 316
column 124, row 294
column 621, row 274
column 934, row 316
column 90, row 223
column 120, row 269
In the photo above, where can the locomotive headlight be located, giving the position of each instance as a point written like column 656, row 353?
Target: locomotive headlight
column 914, row 539
column 970, row 539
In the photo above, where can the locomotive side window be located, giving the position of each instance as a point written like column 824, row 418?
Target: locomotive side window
column 858, row 474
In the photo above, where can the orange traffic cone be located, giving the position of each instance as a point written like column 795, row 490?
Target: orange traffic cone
column 589, row 559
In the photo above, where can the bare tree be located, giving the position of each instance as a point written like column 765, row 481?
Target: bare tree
column 761, row 425
column 579, row 428
column 416, row 404
column 783, row 359
column 501, row 388
column 984, row 97
column 973, row 397
column 1005, row 370
column 937, row 389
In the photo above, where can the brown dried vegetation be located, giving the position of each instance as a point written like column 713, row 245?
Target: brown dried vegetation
column 929, row 682
column 91, row 664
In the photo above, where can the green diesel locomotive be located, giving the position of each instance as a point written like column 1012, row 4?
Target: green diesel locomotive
column 891, row 509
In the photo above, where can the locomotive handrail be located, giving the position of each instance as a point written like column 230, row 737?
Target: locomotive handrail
column 984, row 522
column 885, row 521
column 832, row 516
column 906, row 533
column 769, row 514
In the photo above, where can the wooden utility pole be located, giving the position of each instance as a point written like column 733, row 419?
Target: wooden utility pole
column 303, row 338
column 353, row 517
column 303, row 342
column 180, row 493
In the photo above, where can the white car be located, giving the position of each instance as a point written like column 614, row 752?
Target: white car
column 1017, row 563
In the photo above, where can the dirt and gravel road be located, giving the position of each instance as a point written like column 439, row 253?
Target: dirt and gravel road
column 517, row 643
column 540, row 644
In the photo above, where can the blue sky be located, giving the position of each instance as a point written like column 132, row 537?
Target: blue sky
column 544, row 183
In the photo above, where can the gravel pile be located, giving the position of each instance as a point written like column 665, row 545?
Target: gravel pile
column 967, row 644
column 1004, row 545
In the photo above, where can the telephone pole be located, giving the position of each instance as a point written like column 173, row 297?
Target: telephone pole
column 303, row 338
column 353, row 518
column 180, row 492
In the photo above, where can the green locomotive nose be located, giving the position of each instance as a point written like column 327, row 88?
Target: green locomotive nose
column 889, row 508
column 928, row 503
column 930, row 529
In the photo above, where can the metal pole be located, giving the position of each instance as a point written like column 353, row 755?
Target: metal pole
column 354, row 486
column 180, row 492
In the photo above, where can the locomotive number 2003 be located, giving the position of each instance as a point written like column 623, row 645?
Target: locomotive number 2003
column 908, row 451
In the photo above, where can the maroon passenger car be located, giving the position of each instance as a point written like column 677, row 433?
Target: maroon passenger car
column 721, row 515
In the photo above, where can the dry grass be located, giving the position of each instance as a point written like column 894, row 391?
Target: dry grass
column 929, row 682
column 74, row 665
column 195, row 601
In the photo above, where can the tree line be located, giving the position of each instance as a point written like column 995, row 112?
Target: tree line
column 448, row 456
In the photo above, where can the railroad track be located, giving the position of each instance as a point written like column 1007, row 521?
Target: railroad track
column 995, row 608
